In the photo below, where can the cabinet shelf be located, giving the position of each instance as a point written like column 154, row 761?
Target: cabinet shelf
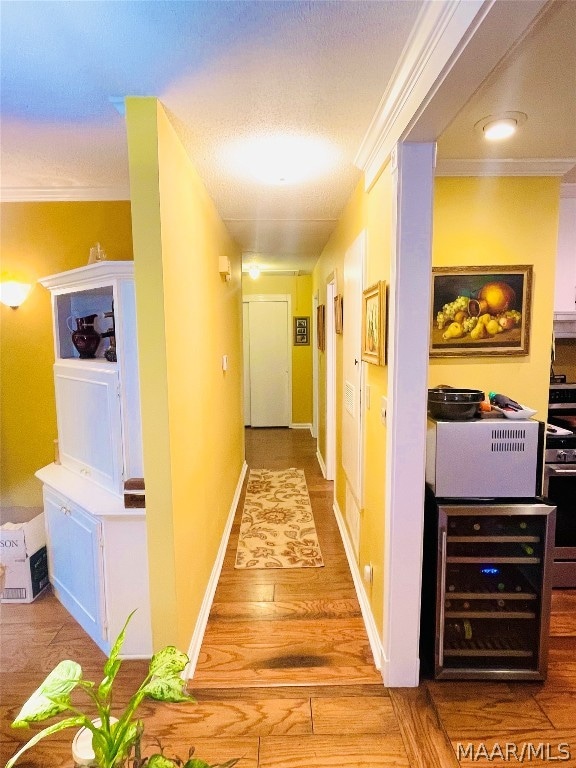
column 490, row 615
column 493, row 539
column 496, row 560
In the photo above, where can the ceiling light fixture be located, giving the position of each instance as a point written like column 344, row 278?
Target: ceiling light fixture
column 13, row 293
column 281, row 160
column 499, row 127
column 254, row 271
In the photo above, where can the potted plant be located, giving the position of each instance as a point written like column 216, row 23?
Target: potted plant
column 114, row 739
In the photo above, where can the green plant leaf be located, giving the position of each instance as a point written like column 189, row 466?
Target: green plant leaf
column 113, row 662
column 159, row 761
column 168, row 662
column 52, row 697
column 68, row 723
column 196, row 763
column 167, row 689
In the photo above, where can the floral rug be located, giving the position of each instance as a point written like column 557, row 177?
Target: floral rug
column 277, row 528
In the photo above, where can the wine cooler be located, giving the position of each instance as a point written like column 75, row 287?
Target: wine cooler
column 486, row 614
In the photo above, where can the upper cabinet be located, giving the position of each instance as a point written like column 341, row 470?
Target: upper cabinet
column 565, row 290
column 96, row 372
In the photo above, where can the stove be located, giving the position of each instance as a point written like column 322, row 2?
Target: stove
column 560, row 479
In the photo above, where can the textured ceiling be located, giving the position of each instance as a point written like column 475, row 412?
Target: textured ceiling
column 537, row 78
column 224, row 71
column 228, row 71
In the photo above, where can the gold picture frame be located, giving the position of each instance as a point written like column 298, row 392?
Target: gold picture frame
column 321, row 326
column 466, row 298
column 338, row 313
column 374, row 324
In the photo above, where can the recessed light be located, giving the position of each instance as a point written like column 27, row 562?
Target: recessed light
column 499, row 127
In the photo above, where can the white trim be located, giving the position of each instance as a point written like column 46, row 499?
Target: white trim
column 314, row 429
column 322, row 464
column 437, row 33
column 506, row 167
column 568, row 190
column 301, row 426
column 201, row 622
column 330, row 363
column 280, row 297
column 91, row 276
column 411, row 267
column 63, row 194
column 365, row 607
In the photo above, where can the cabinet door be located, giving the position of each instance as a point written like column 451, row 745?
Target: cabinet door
column 89, row 421
column 75, row 563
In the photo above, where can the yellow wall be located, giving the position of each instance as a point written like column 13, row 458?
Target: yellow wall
column 39, row 239
column 299, row 287
column 371, row 212
column 189, row 317
column 498, row 221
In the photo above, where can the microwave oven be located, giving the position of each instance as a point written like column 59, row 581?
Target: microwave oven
column 485, row 458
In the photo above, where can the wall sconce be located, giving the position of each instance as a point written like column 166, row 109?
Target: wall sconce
column 13, row 293
column 254, row 271
column 225, row 268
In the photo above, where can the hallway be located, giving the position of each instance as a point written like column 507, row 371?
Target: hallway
column 287, row 626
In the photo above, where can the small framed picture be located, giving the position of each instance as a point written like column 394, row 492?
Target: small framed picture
column 374, row 324
column 338, row 314
column 301, row 331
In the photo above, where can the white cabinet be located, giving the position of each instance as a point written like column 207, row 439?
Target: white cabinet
column 75, row 563
column 97, row 549
column 89, row 421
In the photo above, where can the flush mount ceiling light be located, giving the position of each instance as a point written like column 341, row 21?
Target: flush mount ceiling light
column 499, row 127
column 254, row 271
column 281, row 159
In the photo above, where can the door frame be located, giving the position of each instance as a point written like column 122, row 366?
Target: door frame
column 330, row 352
column 278, row 297
column 314, row 429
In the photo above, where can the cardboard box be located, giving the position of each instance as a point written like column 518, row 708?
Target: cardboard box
column 23, row 554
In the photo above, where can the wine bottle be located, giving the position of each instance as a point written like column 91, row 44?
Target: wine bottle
column 527, row 548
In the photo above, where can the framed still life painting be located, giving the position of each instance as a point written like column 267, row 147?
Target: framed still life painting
column 480, row 311
column 374, row 324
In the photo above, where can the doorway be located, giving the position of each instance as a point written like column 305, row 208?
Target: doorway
column 267, row 361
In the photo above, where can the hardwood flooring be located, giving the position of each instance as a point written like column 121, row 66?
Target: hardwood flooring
column 286, row 679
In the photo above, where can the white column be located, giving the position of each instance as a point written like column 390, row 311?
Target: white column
column 413, row 170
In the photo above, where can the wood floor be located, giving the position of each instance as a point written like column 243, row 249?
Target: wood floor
column 285, row 677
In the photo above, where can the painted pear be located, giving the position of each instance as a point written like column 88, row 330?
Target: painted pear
column 454, row 331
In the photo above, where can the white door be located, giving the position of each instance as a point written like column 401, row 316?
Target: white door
column 269, row 350
column 246, row 347
column 352, row 367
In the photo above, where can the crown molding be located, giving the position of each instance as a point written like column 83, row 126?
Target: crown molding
column 439, row 32
column 507, row 167
column 62, row 194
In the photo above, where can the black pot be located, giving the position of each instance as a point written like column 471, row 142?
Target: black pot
column 454, row 404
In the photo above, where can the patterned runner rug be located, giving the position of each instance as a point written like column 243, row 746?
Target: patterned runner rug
column 277, row 528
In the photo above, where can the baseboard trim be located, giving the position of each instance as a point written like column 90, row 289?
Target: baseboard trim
column 202, row 621
column 322, row 464
column 298, row 425
column 367, row 615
